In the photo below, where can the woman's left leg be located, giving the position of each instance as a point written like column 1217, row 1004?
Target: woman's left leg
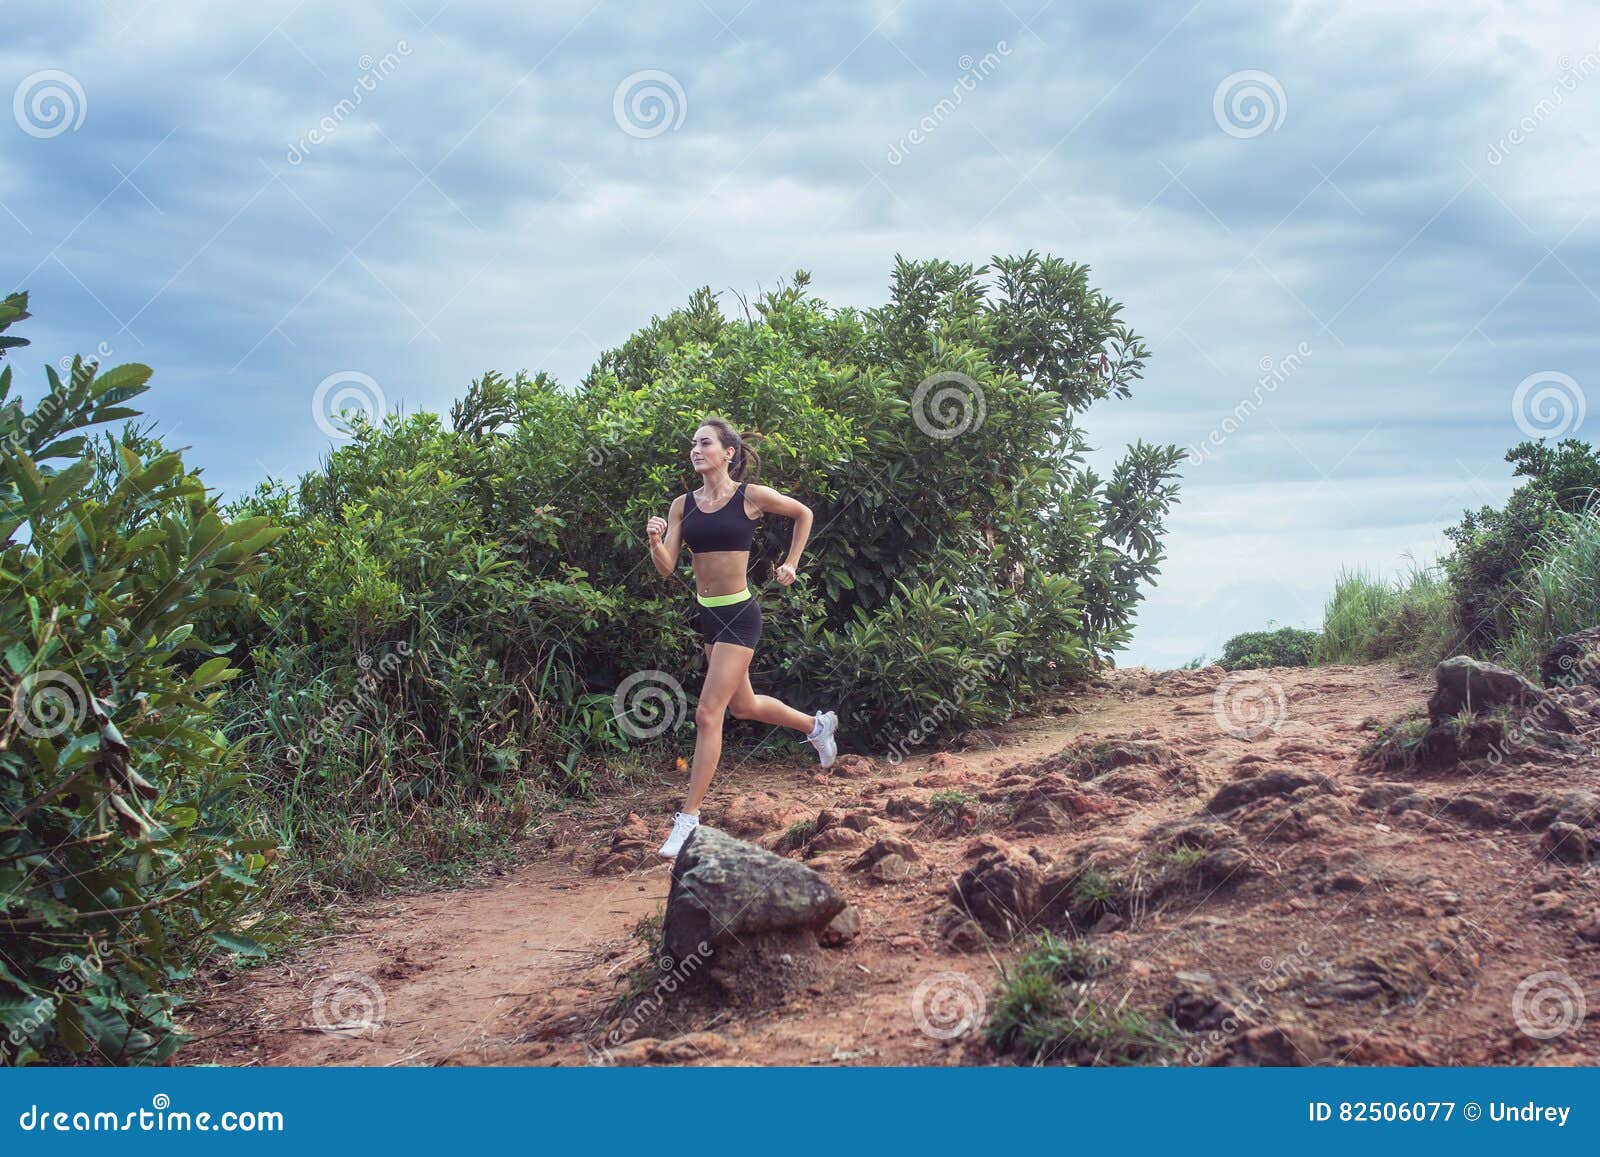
column 727, row 670
column 765, row 709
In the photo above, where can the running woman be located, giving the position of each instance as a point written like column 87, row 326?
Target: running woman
column 717, row 522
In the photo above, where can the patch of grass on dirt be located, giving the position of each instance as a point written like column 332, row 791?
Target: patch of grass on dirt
column 1396, row 744
column 798, row 835
column 639, row 979
column 1094, row 893
column 1183, row 858
column 1046, row 1011
column 952, row 811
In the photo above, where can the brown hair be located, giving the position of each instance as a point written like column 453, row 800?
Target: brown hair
column 746, row 464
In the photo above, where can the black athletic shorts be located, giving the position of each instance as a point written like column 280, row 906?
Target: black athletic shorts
column 734, row 623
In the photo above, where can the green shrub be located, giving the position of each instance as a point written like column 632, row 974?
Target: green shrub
column 955, row 570
column 124, row 856
column 1285, row 647
column 1369, row 619
column 1560, row 592
column 1495, row 549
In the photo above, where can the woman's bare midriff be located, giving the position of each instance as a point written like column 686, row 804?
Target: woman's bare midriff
column 720, row 572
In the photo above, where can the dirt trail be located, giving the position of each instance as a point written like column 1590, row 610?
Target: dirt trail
column 1358, row 936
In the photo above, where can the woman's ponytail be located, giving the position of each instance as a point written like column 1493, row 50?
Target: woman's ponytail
column 746, row 463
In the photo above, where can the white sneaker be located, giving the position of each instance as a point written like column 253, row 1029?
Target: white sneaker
column 823, row 741
column 682, row 826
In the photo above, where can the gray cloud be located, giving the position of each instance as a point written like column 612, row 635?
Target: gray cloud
column 480, row 207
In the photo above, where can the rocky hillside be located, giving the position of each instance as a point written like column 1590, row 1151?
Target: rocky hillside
column 1336, row 865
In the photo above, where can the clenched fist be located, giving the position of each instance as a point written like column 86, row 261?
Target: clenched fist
column 655, row 528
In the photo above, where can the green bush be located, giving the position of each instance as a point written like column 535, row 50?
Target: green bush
column 1285, row 647
column 1560, row 591
column 124, row 857
column 962, row 560
column 1494, row 549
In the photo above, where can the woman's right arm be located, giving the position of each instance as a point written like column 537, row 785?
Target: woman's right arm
column 666, row 539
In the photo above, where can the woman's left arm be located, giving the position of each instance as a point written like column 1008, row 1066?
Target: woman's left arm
column 769, row 501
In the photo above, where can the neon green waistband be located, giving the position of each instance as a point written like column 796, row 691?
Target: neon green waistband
column 723, row 600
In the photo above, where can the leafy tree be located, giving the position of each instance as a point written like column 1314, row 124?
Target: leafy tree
column 963, row 560
column 123, row 858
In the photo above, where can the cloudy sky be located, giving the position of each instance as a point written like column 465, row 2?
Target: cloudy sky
column 1359, row 242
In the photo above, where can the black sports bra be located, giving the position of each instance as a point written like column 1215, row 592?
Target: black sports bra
column 726, row 528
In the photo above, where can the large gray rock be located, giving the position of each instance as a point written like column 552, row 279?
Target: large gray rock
column 1463, row 681
column 727, row 891
column 1573, row 659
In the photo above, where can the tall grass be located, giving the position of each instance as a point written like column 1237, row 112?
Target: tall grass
column 1561, row 593
column 1370, row 618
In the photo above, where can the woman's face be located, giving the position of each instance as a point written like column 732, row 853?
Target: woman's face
column 706, row 452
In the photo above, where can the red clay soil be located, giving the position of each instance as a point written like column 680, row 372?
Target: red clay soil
column 1446, row 931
